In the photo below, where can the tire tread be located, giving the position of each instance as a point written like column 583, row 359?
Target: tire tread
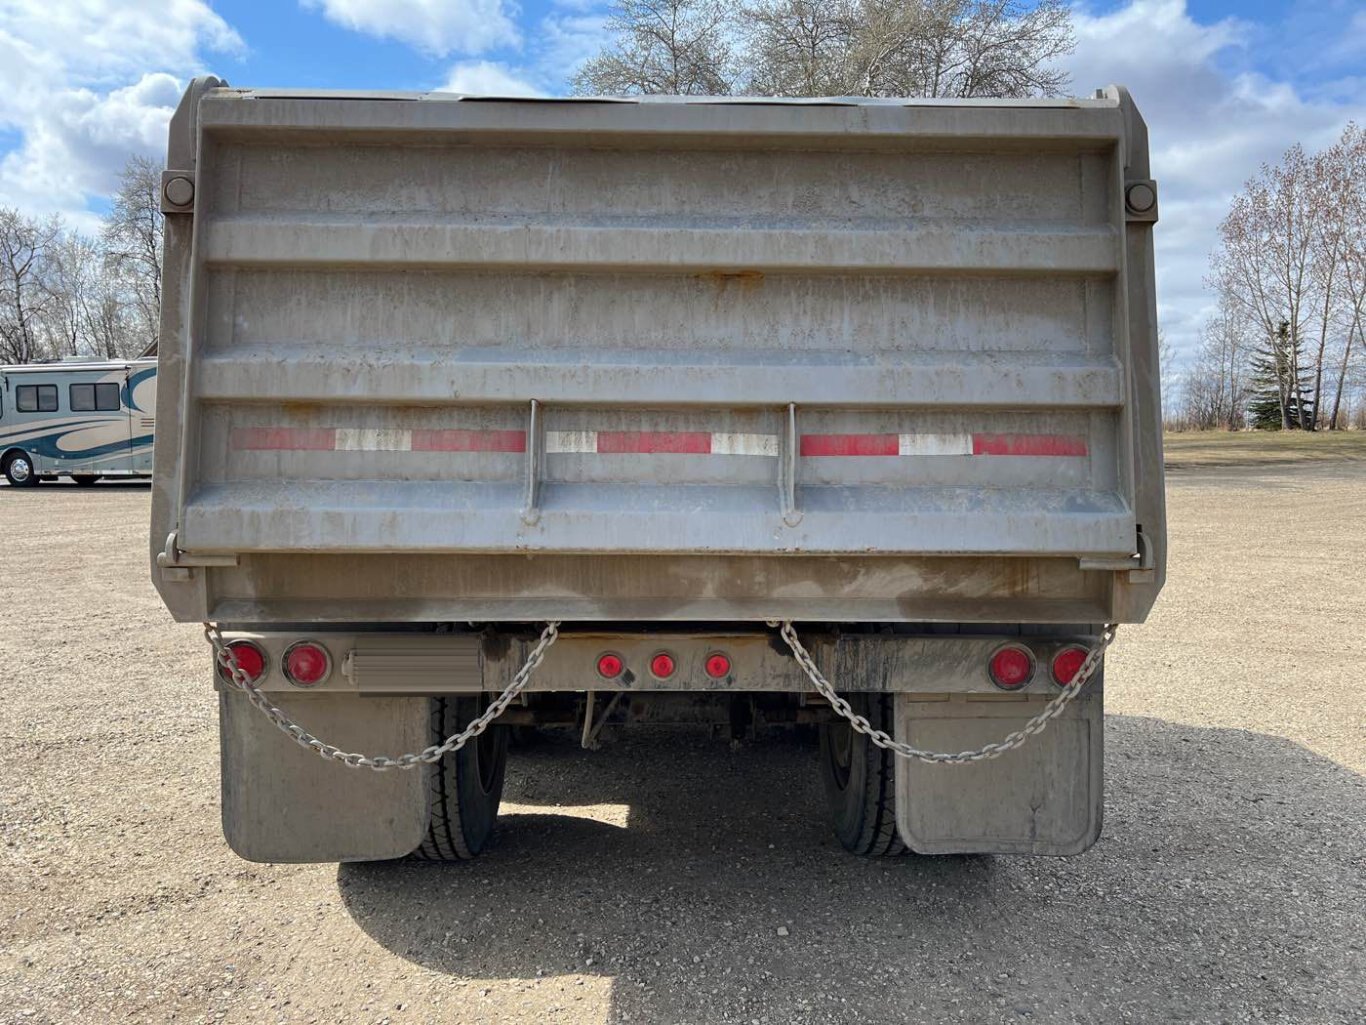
column 445, row 839
column 864, row 810
column 880, row 823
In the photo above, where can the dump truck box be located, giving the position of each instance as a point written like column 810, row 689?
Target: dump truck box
column 430, row 357
column 715, row 396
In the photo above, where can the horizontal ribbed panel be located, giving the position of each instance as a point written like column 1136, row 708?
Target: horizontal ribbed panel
column 904, row 125
column 295, row 516
column 932, row 247
column 314, row 376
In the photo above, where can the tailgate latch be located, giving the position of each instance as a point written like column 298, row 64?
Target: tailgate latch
column 177, row 565
column 1139, row 565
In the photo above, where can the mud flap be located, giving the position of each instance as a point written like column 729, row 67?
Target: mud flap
column 282, row 803
column 1043, row 798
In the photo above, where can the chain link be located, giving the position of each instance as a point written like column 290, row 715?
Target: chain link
column 1036, row 725
column 379, row 763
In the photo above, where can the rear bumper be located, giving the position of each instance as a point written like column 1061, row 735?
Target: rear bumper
column 390, row 663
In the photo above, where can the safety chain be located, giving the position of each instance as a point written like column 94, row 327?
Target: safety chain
column 379, row 763
column 883, row 740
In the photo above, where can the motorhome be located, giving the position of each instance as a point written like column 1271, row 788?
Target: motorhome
column 82, row 419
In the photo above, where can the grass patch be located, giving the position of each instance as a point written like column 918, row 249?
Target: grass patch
column 1262, row 448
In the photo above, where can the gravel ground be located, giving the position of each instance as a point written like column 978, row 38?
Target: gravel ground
column 669, row 879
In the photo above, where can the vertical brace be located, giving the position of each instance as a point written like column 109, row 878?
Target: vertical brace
column 531, row 512
column 182, row 151
column 592, row 725
column 787, row 471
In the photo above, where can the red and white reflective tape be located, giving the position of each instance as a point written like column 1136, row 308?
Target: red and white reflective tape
column 943, row 445
column 367, row 439
column 661, row 443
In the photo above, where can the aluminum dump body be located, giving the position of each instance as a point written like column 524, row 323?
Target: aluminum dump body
column 437, row 358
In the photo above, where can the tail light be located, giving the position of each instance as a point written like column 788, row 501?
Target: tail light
column 662, row 666
column 610, row 666
column 717, row 665
column 1066, row 663
column 1011, row 667
column 250, row 659
column 306, row 663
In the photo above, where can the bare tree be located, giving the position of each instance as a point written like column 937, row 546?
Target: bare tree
column 133, row 240
column 678, row 47
column 1264, row 263
column 955, row 48
column 75, row 268
column 1292, row 251
column 801, row 47
column 1218, row 385
column 1168, row 379
column 1330, row 192
column 92, row 311
column 64, row 294
column 960, row 48
column 26, row 250
column 1352, row 154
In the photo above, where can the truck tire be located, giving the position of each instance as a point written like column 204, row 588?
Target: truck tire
column 860, row 780
column 466, row 786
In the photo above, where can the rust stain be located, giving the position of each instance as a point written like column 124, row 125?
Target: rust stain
column 745, row 280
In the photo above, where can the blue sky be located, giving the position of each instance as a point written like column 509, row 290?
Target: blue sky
column 1223, row 85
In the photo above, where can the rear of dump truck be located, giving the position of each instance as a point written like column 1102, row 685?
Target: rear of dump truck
column 480, row 414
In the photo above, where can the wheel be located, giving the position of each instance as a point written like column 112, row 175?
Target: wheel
column 19, row 470
column 466, row 786
column 860, row 780
column 85, row 479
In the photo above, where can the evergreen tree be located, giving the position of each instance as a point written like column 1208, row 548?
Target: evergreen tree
column 1278, row 401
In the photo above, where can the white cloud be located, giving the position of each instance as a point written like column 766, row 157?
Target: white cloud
column 75, row 146
column 104, row 39
column 1210, row 127
column 86, row 83
column 560, row 44
column 488, row 78
column 438, row 27
column 565, row 41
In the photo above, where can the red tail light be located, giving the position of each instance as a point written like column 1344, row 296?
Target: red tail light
column 662, row 665
column 717, row 665
column 307, row 663
column 1066, row 663
column 610, row 666
column 1011, row 667
column 250, row 659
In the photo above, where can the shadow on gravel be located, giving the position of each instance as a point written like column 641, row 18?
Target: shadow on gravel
column 1228, row 886
column 70, row 486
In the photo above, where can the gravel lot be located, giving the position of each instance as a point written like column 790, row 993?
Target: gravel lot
column 649, row 882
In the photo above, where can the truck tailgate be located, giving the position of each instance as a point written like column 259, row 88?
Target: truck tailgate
column 453, row 358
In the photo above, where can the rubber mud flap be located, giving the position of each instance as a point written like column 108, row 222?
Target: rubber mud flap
column 283, row 803
column 1045, row 797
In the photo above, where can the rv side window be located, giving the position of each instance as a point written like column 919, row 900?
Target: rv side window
column 35, row 398
column 101, row 398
